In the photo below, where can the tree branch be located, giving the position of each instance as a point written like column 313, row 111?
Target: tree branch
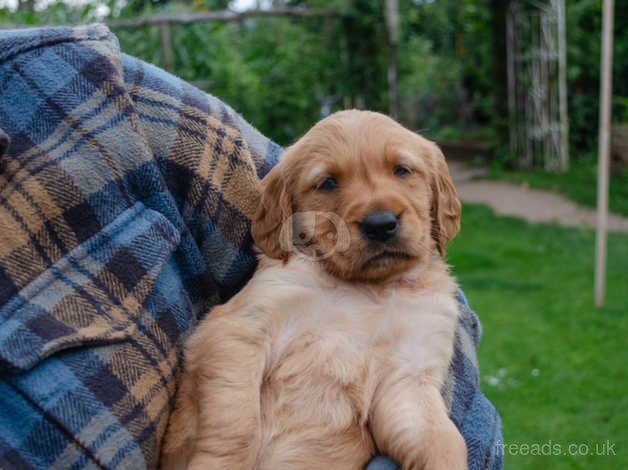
column 223, row 15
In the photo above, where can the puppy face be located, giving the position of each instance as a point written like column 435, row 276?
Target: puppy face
column 363, row 195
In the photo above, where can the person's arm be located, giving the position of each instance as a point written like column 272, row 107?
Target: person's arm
column 123, row 217
column 117, row 234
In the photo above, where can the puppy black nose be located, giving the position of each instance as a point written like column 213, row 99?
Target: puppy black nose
column 380, row 226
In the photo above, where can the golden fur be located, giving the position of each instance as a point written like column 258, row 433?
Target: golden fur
column 320, row 361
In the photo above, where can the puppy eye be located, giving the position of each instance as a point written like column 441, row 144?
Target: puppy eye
column 328, row 184
column 401, row 171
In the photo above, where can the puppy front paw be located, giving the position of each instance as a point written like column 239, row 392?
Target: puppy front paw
column 445, row 449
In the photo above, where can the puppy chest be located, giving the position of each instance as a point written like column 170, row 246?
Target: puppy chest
column 320, row 377
column 346, row 339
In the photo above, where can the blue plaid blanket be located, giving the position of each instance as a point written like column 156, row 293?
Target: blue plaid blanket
column 125, row 199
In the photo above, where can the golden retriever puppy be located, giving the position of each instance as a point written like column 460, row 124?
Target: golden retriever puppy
column 338, row 346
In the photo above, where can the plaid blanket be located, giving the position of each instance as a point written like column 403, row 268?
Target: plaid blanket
column 125, row 200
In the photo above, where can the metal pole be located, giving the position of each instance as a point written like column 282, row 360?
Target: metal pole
column 603, row 158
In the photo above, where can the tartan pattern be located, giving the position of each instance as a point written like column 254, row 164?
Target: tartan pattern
column 124, row 215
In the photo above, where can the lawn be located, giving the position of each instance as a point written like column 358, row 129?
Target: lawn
column 555, row 366
column 579, row 183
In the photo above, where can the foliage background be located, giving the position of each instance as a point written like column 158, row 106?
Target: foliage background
column 280, row 73
column 552, row 363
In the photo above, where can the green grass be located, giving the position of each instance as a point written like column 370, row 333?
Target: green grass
column 555, row 366
column 579, row 183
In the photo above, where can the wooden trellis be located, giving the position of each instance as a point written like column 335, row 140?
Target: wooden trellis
column 537, row 88
column 166, row 21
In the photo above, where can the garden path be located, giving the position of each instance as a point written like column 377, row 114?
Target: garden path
column 534, row 205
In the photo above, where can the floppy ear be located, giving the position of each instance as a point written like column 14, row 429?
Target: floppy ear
column 446, row 207
column 271, row 226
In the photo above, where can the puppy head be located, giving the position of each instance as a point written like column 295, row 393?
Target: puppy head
column 361, row 194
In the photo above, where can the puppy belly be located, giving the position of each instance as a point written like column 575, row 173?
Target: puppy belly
column 314, row 409
column 318, row 429
column 315, row 449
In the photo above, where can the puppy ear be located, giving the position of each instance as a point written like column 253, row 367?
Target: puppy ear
column 446, row 206
column 271, row 226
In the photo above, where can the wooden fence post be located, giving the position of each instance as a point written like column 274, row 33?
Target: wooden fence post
column 562, row 78
column 606, row 84
column 165, row 39
column 392, row 27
